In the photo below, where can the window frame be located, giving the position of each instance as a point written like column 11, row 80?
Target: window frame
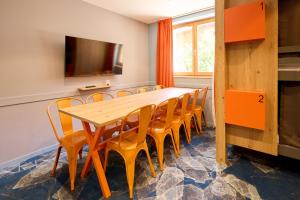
column 195, row 47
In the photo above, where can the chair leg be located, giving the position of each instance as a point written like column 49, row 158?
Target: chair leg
column 72, row 158
column 175, row 131
column 195, row 125
column 130, row 165
column 198, row 116
column 80, row 154
column 106, row 152
column 86, row 166
column 149, row 160
column 102, row 159
column 56, row 161
column 174, row 145
column 186, row 134
column 200, row 125
column 204, row 119
column 187, row 123
column 160, row 153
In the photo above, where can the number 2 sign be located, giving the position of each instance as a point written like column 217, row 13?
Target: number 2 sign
column 245, row 108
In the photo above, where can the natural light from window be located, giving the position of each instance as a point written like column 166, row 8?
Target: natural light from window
column 183, row 40
column 194, row 48
column 206, row 46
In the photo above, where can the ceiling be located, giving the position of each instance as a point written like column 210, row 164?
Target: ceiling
column 149, row 11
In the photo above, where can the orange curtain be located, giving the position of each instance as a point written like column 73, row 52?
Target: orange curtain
column 164, row 53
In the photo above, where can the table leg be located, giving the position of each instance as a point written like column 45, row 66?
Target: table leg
column 88, row 162
column 93, row 155
column 86, row 165
column 101, row 175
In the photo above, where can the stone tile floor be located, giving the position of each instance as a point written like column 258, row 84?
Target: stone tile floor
column 194, row 175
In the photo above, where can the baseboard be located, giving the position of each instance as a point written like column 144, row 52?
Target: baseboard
column 18, row 160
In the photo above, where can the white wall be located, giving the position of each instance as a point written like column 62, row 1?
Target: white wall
column 152, row 52
column 32, row 36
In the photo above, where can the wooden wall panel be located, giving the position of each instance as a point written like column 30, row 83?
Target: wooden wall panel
column 220, row 83
column 254, row 66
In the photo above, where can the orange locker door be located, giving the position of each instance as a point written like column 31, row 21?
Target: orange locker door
column 245, row 22
column 245, row 108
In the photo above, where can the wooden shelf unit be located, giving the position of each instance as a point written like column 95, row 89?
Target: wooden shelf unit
column 247, row 66
column 289, row 77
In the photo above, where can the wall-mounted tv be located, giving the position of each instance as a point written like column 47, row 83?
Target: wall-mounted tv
column 84, row 57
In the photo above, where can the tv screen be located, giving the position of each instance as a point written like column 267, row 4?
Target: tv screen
column 84, row 57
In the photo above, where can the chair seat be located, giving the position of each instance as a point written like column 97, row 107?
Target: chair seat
column 198, row 109
column 73, row 139
column 133, row 121
column 161, row 112
column 133, row 118
column 111, row 128
column 177, row 111
column 128, row 142
column 189, row 112
column 176, row 119
column 157, row 126
column 189, row 108
column 161, row 118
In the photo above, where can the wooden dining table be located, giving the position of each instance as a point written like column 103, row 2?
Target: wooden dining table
column 107, row 112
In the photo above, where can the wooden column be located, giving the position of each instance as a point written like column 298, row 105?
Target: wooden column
column 220, row 83
column 249, row 66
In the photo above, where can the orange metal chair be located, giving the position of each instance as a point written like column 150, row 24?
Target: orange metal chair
column 72, row 141
column 130, row 142
column 199, row 113
column 98, row 96
column 158, row 87
column 179, row 120
column 159, row 128
column 133, row 120
column 111, row 128
column 142, row 90
column 189, row 115
column 122, row 93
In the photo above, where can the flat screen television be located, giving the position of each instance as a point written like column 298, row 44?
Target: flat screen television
column 84, row 57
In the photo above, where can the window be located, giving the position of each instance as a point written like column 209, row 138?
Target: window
column 194, row 48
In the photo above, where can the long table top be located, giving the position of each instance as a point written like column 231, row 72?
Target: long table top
column 105, row 112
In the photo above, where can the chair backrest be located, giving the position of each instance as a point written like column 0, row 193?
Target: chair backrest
column 195, row 99
column 142, row 89
column 157, row 87
column 65, row 120
column 98, row 96
column 204, row 94
column 144, row 118
column 184, row 99
column 122, row 93
column 170, row 106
